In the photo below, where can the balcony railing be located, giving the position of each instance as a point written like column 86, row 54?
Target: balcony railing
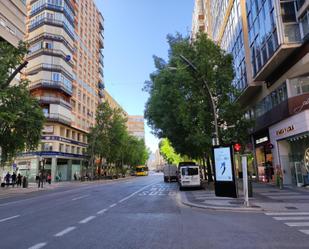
column 49, row 67
column 101, row 94
column 101, row 85
column 52, row 85
column 53, row 52
column 56, row 117
column 54, row 100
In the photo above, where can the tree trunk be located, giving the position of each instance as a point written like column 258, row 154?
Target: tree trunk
column 204, row 168
column 209, row 169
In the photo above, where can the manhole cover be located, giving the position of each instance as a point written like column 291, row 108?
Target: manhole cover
column 291, row 207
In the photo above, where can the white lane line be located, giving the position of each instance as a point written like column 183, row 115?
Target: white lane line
column 297, row 224
column 80, row 197
column 304, row 231
column 84, row 221
column 124, row 199
column 102, row 211
column 288, row 213
column 113, row 205
column 9, row 218
column 292, row 218
column 38, row 246
column 65, row 231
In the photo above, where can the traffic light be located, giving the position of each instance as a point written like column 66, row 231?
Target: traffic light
column 237, row 147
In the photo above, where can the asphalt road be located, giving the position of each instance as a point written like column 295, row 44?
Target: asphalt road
column 138, row 213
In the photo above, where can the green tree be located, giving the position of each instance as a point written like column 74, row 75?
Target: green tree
column 21, row 117
column 179, row 107
column 168, row 152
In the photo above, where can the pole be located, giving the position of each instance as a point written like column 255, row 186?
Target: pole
column 245, row 180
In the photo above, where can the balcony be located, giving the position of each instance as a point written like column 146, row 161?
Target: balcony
column 101, row 72
column 49, row 67
column 101, row 40
column 52, row 52
column 52, row 22
column 101, row 94
column 101, row 85
column 54, row 100
column 101, row 58
column 49, row 84
column 56, row 117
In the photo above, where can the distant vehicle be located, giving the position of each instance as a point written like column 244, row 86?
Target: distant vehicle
column 189, row 175
column 170, row 173
column 141, row 170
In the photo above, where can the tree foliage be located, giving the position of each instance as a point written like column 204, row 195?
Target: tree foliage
column 168, row 152
column 21, row 117
column 179, row 106
column 109, row 140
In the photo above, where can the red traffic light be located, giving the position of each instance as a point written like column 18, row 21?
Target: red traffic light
column 237, row 147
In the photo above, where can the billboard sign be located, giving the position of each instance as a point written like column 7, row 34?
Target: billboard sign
column 223, row 164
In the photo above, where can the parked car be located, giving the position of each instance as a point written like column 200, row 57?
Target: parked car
column 170, row 173
column 189, row 175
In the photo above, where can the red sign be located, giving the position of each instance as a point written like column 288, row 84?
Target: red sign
column 237, row 147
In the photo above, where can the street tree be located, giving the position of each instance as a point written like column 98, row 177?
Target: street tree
column 21, row 117
column 179, row 107
column 168, row 152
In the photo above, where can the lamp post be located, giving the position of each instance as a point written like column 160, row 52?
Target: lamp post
column 215, row 140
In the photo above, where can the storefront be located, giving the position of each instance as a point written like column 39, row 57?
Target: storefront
column 263, row 156
column 290, row 138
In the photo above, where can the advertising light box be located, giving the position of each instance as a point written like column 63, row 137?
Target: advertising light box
column 223, row 164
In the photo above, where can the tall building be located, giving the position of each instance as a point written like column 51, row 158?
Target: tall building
column 12, row 21
column 136, row 126
column 66, row 73
column 269, row 42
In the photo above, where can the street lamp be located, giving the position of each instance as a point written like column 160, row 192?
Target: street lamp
column 215, row 140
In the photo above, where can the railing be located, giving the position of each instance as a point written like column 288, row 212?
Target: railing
column 58, row 118
column 56, row 52
column 47, row 99
column 49, row 67
column 52, row 84
column 101, row 85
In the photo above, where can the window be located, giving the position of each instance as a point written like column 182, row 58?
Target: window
column 61, row 147
column 67, row 148
column 288, row 11
column 299, row 86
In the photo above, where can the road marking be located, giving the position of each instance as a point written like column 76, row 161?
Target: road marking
column 292, row 218
column 9, row 218
column 297, row 224
column 124, row 199
column 102, row 211
column 87, row 219
column 80, row 197
column 65, row 231
column 113, row 205
column 38, row 246
column 288, row 213
column 304, row 231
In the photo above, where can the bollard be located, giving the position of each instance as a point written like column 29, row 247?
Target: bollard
column 250, row 190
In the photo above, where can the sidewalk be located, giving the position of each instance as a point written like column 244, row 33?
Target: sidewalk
column 266, row 197
column 7, row 192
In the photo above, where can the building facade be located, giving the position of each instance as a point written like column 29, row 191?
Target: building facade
column 269, row 42
column 13, row 21
column 136, row 126
column 66, row 74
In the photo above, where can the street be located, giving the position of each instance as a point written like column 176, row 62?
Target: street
column 136, row 213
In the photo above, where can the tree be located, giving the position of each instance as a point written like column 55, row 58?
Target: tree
column 168, row 152
column 21, row 117
column 179, row 107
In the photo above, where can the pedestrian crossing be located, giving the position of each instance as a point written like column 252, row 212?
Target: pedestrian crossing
column 298, row 220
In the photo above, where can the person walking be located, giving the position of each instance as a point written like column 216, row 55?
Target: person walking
column 14, row 179
column 40, row 180
column 7, row 179
column 19, row 179
column 49, row 178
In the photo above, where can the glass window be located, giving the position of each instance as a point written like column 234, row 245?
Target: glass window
column 305, row 25
column 288, row 11
column 299, row 86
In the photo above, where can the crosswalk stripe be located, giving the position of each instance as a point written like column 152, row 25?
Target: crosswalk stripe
column 292, row 218
column 297, row 224
column 287, row 213
column 304, row 231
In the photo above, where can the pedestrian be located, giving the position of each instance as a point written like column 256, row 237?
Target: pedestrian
column 7, row 179
column 19, row 179
column 75, row 176
column 13, row 179
column 40, row 180
column 279, row 177
column 49, row 178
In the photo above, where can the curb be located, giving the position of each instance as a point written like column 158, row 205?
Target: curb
column 186, row 202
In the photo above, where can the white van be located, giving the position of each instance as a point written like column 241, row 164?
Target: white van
column 170, row 173
column 189, row 176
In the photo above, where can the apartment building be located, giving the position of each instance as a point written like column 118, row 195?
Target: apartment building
column 136, row 126
column 269, row 42
column 66, row 73
column 13, row 21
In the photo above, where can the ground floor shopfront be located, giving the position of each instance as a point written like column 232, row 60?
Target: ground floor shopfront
column 290, row 140
column 61, row 166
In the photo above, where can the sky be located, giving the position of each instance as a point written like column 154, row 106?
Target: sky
column 134, row 31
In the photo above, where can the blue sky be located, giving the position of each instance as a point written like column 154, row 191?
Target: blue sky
column 135, row 30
